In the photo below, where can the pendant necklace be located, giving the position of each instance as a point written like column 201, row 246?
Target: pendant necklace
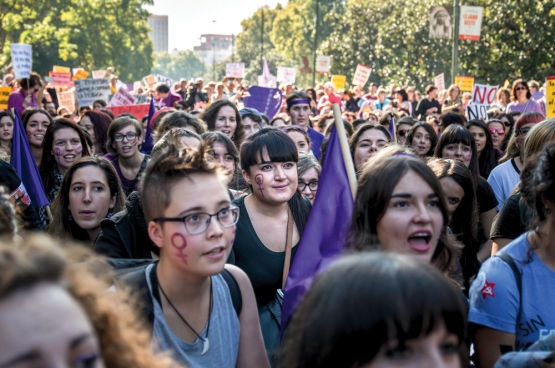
column 205, row 342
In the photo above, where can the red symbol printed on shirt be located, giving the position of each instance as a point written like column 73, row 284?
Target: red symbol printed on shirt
column 179, row 242
column 487, row 290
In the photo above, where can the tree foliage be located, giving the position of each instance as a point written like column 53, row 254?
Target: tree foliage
column 92, row 34
column 184, row 64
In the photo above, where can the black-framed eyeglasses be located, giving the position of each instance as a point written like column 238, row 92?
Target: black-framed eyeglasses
column 522, row 131
column 402, row 133
column 197, row 223
column 131, row 136
column 313, row 185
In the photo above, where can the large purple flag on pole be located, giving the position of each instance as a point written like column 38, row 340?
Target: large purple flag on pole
column 149, row 143
column 324, row 236
column 24, row 164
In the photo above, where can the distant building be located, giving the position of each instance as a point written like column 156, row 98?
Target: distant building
column 159, row 34
column 215, row 48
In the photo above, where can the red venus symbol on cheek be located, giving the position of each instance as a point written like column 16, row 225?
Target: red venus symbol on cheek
column 179, row 243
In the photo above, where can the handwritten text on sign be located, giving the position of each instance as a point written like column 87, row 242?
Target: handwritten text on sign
column 139, row 111
column 362, row 73
column 122, row 98
column 287, row 75
column 167, row 81
column 476, row 111
column 61, row 79
column 67, row 99
column 550, row 97
column 22, row 59
column 439, row 81
column 235, row 70
column 465, row 83
column 89, row 90
column 484, row 95
column 4, row 95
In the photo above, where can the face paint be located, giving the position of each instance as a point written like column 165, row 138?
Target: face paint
column 78, row 149
column 57, row 151
column 179, row 242
column 259, row 179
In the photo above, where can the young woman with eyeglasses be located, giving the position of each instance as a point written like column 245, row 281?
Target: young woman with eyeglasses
column 522, row 99
column 509, row 123
column 497, row 131
column 504, row 178
column 308, row 171
column 124, row 137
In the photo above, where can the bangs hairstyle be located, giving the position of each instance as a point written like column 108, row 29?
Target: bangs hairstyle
column 118, row 124
column 375, row 188
column 26, row 116
column 431, row 132
column 363, row 128
column 277, row 144
column 367, row 301
column 487, row 160
column 209, row 138
column 454, row 134
column 100, row 122
column 539, row 136
column 164, row 171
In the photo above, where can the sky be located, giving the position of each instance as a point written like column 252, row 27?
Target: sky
column 188, row 19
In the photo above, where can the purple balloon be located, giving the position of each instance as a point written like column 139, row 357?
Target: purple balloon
column 266, row 100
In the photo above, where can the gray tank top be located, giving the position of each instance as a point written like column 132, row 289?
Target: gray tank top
column 224, row 332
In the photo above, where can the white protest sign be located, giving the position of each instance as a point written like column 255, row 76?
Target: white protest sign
column 167, row 81
column 287, row 75
column 137, row 85
column 22, row 60
column 235, row 70
column 67, row 100
column 120, row 84
column 61, row 79
column 477, row 111
column 484, row 95
column 122, row 98
column 439, row 82
column 99, row 74
column 362, row 73
column 323, row 64
column 470, row 23
column 88, row 90
column 268, row 82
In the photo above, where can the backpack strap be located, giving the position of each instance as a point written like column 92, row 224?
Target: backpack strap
column 136, row 282
column 234, row 290
column 512, row 264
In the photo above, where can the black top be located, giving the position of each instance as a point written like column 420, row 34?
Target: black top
column 485, row 196
column 512, row 219
column 425, row 104
column 263, row 266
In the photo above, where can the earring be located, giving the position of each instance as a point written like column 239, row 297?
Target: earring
column 548, row 210
column 69, row 218
column 110, row 213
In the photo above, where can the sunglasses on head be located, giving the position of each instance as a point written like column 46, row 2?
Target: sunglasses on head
column 498, row 131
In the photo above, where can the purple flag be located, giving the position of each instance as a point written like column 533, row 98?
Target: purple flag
column 391, row 128
column 325, row 233
column 24, row 164
column 149, row 143
column 266, row 100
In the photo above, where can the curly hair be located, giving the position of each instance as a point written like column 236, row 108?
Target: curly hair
column 38, row 260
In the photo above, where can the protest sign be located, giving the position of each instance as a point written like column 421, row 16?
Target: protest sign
column 439, row 82
column 362, row 73
column 99, row 74
column 80, row 74
column 60, row 79
column 120, row 84
column 137, row 85
column 323, row 64
column 470, row 23
column 150, row 80
column 22, row 59
column 88, row 90
column 266, row 100
column 67, row 100
column 235, row 70
column 477, row 111
column 550, row 97
column 464, row 83
column 268, row 82
column 167, row 81
column 122, row 98
column 339, row 81
column 141, row 99
column 138, row 111
column 4, row 95
column 287, row 75
column 484, row 95
column 61, row 69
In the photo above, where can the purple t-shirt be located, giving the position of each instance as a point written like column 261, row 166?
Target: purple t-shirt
column 171, row 99
column 16, row 100
column 533, row 106
column 127, row 185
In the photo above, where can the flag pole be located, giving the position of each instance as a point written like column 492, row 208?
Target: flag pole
column 347, row 159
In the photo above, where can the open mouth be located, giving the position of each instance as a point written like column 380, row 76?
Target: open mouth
column 39, row 136
column 69, row 157
column 420, row 241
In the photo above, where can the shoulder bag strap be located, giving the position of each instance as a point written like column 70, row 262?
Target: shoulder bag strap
column 525, row 107
column 288, row 246
column 518, row 277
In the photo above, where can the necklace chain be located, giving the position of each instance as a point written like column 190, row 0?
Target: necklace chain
column 183, row 319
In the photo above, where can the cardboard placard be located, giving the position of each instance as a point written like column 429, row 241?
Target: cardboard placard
column 150, row 80
column 550, row 97
column 89, row 90
column 477, row 111
column 61, row 69
column 287, row 75
column 138, row 111
column 167, row 81
column 141, row 99
column 439, row 82
column 339, row 81
column 60, row 79
column 22, row 60
column 362, row 73
column 323, row 64
column 465, row 83
column 80, row 74
column 484, row 95
column 235, row 70
column 122, row 98
column 4, row 95
column 67, row 100
column 99, row 74
column 137, row 85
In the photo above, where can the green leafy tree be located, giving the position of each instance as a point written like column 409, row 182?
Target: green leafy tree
column 184, row 64
column 92, row 34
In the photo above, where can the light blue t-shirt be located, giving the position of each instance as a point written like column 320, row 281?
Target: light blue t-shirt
column 503, row 179
column 494, row 296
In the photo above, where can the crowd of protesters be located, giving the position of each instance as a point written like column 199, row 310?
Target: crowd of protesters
column 177, row 255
